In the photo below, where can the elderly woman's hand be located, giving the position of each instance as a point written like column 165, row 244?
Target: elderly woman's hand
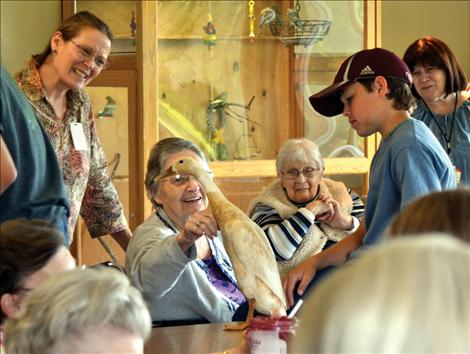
column 320, row 206
column 338, row 219
column 199, row 224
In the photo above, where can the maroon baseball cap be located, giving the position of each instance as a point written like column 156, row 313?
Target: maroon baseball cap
column 366, row 64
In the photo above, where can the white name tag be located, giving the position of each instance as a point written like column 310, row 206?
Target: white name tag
column 78, row 136
column 458, row 174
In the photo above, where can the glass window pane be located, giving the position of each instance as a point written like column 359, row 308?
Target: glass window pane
column 334, row 136
column 240, row 96
column 110, row 108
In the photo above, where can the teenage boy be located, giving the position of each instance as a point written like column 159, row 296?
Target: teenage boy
column 372, row 90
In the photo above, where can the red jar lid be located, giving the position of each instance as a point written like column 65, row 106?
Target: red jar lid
column 267, row 323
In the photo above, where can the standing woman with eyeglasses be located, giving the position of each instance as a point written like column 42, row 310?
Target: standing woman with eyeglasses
column 54, row 82
column 303, row 213
column 440, row 87
column 177, row 257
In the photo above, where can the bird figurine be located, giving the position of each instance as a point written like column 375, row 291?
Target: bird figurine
column 269, row 16
column 294, row 18
column 246, row 244
column 133, row 24
column 109, row 107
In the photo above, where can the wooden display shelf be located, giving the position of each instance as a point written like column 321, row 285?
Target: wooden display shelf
column 267, row 168
column 201, row 38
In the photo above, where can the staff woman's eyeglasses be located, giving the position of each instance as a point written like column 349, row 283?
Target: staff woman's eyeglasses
column 87, row 54
column 307, row 172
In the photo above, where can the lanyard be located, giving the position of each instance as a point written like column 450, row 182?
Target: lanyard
column 443, row 130
column 166, row 223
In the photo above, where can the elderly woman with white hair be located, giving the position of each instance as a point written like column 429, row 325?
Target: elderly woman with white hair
column 81, row 311
column 303, row 213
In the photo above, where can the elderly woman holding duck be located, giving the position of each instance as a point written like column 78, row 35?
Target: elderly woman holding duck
column 303, row 213
column 175, row 257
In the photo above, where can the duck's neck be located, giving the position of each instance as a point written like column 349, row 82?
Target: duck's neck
column 208, row 183
column 215, row 196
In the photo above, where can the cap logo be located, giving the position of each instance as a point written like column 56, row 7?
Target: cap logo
column 367, row 71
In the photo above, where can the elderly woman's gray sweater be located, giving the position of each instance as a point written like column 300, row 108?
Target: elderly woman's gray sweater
column 174, row 286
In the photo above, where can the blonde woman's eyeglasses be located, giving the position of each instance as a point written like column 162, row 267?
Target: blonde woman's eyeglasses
column 87, row 54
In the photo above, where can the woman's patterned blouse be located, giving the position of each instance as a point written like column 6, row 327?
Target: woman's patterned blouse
column 90, row 189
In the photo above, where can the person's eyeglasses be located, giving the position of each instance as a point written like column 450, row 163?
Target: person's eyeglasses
column 178, row 179
column 308, row 172
column 87, row 54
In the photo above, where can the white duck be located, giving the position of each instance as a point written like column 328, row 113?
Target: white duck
column 246, row 244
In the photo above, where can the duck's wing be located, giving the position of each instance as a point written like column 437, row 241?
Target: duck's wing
column 253, row 251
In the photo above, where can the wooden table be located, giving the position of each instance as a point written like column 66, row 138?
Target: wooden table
column 202, row 338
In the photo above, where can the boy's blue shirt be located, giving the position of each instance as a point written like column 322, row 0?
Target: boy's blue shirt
column 408, row 164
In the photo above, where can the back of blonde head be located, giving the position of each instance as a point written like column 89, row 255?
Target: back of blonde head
column 72, row 302
column 409, row 295
column 444, row 211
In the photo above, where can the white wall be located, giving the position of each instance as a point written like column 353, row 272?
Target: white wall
column 26, row 27
column 405, row 21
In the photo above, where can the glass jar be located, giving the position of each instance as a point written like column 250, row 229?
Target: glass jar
column 269, row 335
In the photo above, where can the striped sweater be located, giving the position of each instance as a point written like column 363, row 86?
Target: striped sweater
column 287, row 225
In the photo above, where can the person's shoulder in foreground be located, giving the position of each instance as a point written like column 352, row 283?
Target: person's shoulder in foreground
column 38, row 191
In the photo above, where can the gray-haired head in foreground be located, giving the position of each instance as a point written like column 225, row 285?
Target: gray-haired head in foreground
column 159, row 154
column 69, row 304
column 408, row 295
column 299, row 150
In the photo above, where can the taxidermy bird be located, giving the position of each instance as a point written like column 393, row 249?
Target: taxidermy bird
column 270, row 16
column 294, row 18
column 108, row 110
column 246, row 244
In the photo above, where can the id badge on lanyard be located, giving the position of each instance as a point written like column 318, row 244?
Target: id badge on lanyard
column 458, row 174
column 78, row 136
column 457, row 171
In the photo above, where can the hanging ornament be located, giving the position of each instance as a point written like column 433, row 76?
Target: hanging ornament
column 251, row 17
column 216, row 109
column 133, row 24
column 209, row 40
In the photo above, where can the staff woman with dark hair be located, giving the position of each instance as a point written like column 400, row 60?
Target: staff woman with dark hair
column 439, row 84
